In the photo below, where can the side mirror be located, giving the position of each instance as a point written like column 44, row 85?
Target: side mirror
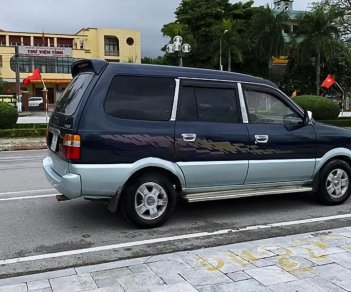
column 308, row 120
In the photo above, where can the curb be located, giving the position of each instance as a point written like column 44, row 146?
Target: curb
column 24, row 146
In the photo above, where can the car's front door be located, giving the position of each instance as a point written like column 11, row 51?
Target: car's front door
column 282, row 147
column 210, row 136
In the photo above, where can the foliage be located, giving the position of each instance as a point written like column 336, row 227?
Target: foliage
column 202, row 23
column 343, row 10
column 31, row 126
column 321, row 107
column 3, row 86
column 156, row 61
column 339, row 122
column 8, row 116
column 16, row 133
column 319, row 35
column 267, row 29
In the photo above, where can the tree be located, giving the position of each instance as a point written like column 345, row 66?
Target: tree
column 200, row 23
column 342, row 9
column 319, row 34
column 3, row 86
column 267, row 33
column 156, row 61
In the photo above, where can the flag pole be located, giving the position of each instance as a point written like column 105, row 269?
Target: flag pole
column 46, row 99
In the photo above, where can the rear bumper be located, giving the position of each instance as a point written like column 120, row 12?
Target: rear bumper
column 69, row 184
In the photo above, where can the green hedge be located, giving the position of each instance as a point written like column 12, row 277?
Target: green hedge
column 17, row 133
column 321, row 107
column 31, row 126
column 8, row 116
column 339, row 122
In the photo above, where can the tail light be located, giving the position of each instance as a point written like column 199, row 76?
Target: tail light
column 71, row 146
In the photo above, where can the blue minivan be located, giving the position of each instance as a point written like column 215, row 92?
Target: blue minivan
column 144, row 136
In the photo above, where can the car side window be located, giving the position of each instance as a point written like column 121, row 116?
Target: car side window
column 140, row 98
column 265, row 108
column 204, row 104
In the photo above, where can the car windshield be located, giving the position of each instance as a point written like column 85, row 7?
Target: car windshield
column 71, row 97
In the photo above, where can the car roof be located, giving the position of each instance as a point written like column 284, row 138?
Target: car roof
column 186, row 72
column 97, row 66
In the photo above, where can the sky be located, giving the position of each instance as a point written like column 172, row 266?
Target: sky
column 69, row 16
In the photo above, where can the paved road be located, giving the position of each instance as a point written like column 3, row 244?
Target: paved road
column 39, row 234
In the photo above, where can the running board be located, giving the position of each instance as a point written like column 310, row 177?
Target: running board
column 240, row 193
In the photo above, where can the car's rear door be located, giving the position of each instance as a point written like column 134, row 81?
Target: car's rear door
column 210, row 136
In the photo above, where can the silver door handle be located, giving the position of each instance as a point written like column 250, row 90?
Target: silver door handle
column 189, row 137
column 261, row 139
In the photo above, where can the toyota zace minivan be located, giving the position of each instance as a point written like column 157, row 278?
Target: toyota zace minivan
column 144, row 136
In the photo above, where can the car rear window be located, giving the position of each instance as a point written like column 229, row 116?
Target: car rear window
column 73, row 93
column 140, row 98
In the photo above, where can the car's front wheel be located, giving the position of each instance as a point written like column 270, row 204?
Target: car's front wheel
column 334, row 183
column 149, row 200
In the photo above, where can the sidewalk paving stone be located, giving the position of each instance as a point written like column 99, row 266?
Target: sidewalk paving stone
column 247, row 286
column 203, row 277
column 226, row 262
column 36, row 285
column 179, row 287
column 14, row 288
column 315, row 284
column 271, row 275
column 73, row 283
column 335, row 274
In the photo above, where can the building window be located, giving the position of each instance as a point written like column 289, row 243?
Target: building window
column 2, row 40
column 111, row 46
column 26, row 41
column 64, row 43
column 15, row 40
column 0, row 61
column 130, row 41
column 45, row 64
column 39, row 41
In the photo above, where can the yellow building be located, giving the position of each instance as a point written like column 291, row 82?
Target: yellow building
column 53, row 54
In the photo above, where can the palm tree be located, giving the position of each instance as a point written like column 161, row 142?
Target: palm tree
column 267, row 29
column 319, row 34
column 231, row 42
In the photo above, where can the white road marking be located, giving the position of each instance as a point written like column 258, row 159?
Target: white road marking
column 27, row 191
column 15, row 158
column 165, row 239
column 27, row 197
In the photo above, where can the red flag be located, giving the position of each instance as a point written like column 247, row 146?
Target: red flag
column 35, row 76
column 329, row 81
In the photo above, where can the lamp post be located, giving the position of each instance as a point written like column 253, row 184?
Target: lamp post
column 220, row 50
column 179, row 48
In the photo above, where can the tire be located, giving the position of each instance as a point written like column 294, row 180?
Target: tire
column 334, row 183
column 149, row 201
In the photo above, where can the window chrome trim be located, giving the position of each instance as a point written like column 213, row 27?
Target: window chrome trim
column 242, row 104
column 175, row 100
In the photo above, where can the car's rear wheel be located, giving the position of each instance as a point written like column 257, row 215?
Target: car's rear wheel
column 334, row 183
column 149, row 200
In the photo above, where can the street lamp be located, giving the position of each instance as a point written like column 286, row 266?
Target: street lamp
column 179, row 48
column 220, row 50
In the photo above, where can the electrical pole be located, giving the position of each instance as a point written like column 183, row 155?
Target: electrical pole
column 18, row 82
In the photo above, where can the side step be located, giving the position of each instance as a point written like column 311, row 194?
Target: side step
column 61, row 198
column 240, row 193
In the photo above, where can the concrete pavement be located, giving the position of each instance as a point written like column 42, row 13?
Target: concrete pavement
column 319, row 261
